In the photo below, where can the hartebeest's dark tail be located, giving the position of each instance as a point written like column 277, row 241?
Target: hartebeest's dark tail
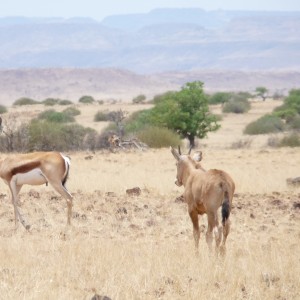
column 225, row 208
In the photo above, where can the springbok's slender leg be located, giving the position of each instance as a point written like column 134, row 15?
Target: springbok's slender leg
column 194, row 217
column 57, row 185
column 15, row 189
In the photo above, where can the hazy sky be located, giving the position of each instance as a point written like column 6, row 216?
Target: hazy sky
column 98, row 9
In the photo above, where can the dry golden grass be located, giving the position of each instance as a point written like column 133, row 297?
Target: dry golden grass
column 141, row 247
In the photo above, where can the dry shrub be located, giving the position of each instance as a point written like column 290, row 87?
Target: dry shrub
column 156, row 137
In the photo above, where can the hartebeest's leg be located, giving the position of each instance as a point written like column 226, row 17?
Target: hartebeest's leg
column 218, row 235
column 57, row 185
column 209, row 232
column 226, row 229
column 194, row 217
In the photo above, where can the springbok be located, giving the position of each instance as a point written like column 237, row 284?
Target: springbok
column 36, row 169
column 205, row 192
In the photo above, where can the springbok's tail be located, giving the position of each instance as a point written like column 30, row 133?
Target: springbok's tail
column 67, row 165
column 225, row 208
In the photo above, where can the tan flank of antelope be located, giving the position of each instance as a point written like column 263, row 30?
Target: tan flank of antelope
column 205, row 192
column 36, row 169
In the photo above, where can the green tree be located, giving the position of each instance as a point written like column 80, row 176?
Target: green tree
column 262, row 92
column 186, row 112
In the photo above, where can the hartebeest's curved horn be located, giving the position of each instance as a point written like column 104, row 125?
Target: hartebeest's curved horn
column 179, row 151
column 175, row 154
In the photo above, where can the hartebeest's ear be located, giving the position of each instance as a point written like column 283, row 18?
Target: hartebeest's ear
column 175, row 153
column 197, row 156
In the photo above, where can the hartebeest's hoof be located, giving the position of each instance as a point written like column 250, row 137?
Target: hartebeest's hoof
column 98, row 297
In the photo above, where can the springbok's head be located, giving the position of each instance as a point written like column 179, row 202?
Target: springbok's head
column 183, row 161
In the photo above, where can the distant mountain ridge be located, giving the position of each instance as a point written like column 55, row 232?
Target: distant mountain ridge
column 163, row 40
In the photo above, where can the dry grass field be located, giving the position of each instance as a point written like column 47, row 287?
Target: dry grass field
column 141, row 247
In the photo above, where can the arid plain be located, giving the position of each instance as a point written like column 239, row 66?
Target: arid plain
column 141, row 247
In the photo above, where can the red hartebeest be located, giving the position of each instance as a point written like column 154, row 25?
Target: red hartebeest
column 205, row 192
column 36, row 169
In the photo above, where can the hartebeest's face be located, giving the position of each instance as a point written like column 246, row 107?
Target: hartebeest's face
column 181, row 163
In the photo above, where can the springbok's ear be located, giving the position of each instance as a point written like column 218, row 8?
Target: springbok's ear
column 175, row 153
column 197, row 156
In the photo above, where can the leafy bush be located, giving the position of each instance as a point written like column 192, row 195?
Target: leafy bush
column 55, row 117
column 284, row 112
column 65, row 102
column 50, row 101
column 265, row 124
column 3, row 109
column 219, row 98
column 294, row 123
column 45, row 136
column 137, row 121
column 237, row 104
column 86, row 99
column 71, row 111
column 25, row 101
column 101, row 116
column 156, row 137
column 139, row 99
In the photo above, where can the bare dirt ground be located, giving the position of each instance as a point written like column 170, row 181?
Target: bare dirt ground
column 141, row 247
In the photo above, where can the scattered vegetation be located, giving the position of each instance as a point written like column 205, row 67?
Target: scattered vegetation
column 284, row 117
column 139, row 99
column 266, row 124
column 45, row 135
column 56, row 117
column 71, row 111
column 101, row 116
column 25, row 101
column 261, row 92
column 219, row 98
column 289, row 140
column 86, row 99
column 156, row 137
column 238, row 104
column 50, row 101
column 3, row 109
column 65, row 102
